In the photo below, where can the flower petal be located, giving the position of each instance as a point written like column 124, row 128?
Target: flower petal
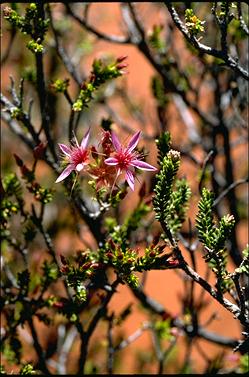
column 111, row 161
column 65, row 149
column 134, row 140
column 142, row 165
column 85, row 139
column 65, row 173
column 116, row 142
column 130, row 179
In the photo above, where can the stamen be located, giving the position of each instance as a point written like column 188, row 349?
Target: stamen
column 75, row 139
column 115, row 180
column 73, row 185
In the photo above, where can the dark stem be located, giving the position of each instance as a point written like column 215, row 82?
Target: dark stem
column 221, row 54
column 85, row 336
column 111, row 351
column 229, row 173
column 208, row 288
column 40, row 353
column 42, row 93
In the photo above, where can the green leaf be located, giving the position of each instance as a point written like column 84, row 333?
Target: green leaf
column 163, row 329
column 163, row 145
column 23, row 279
column 204, row 219
column 178, row 205
column 27, row 369
column 244, row 363
column 163, row 188
column 214, row 237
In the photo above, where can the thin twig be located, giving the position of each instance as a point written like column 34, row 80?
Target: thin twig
column 241, row 295
column 42, row 93
column 131, row 338
column 110, row 348
column 9, row 46
column 106, row 37
column 85, row 336
column 24, row 119
column 204, row 168
column 63, row 55
column 17, row 130
column 242, row 22
column 41, row 357
column 64, row 350
column 117, row 119
column 221, row 54
column 229, row 188
column 234, row 309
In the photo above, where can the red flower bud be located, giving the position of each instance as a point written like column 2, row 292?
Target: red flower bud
column 19, row 162
column 142, row 190
column 92, row 77
column 63, row 259
column 121, row 65
column 39, row 150
column 96, row 266
column 152, row 254
column 112, row 244
column 165, row 316
column 174, row 263
column 94, row 152
column 121, row 58
column 25, row 171
column 156, row 239
column 86, row 266
column 123, row 194
column 64, row 269
column 106, row 142
column 148, row 201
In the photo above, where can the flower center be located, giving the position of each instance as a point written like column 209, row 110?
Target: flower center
column 79, row 156
column 124, row 159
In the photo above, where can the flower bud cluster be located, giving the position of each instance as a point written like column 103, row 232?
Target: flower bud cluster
column 193, row 23
column 40, row 193
column 101, row 73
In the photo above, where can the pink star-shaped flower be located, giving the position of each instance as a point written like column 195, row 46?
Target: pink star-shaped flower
column 76, row 157
column 126, row 159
